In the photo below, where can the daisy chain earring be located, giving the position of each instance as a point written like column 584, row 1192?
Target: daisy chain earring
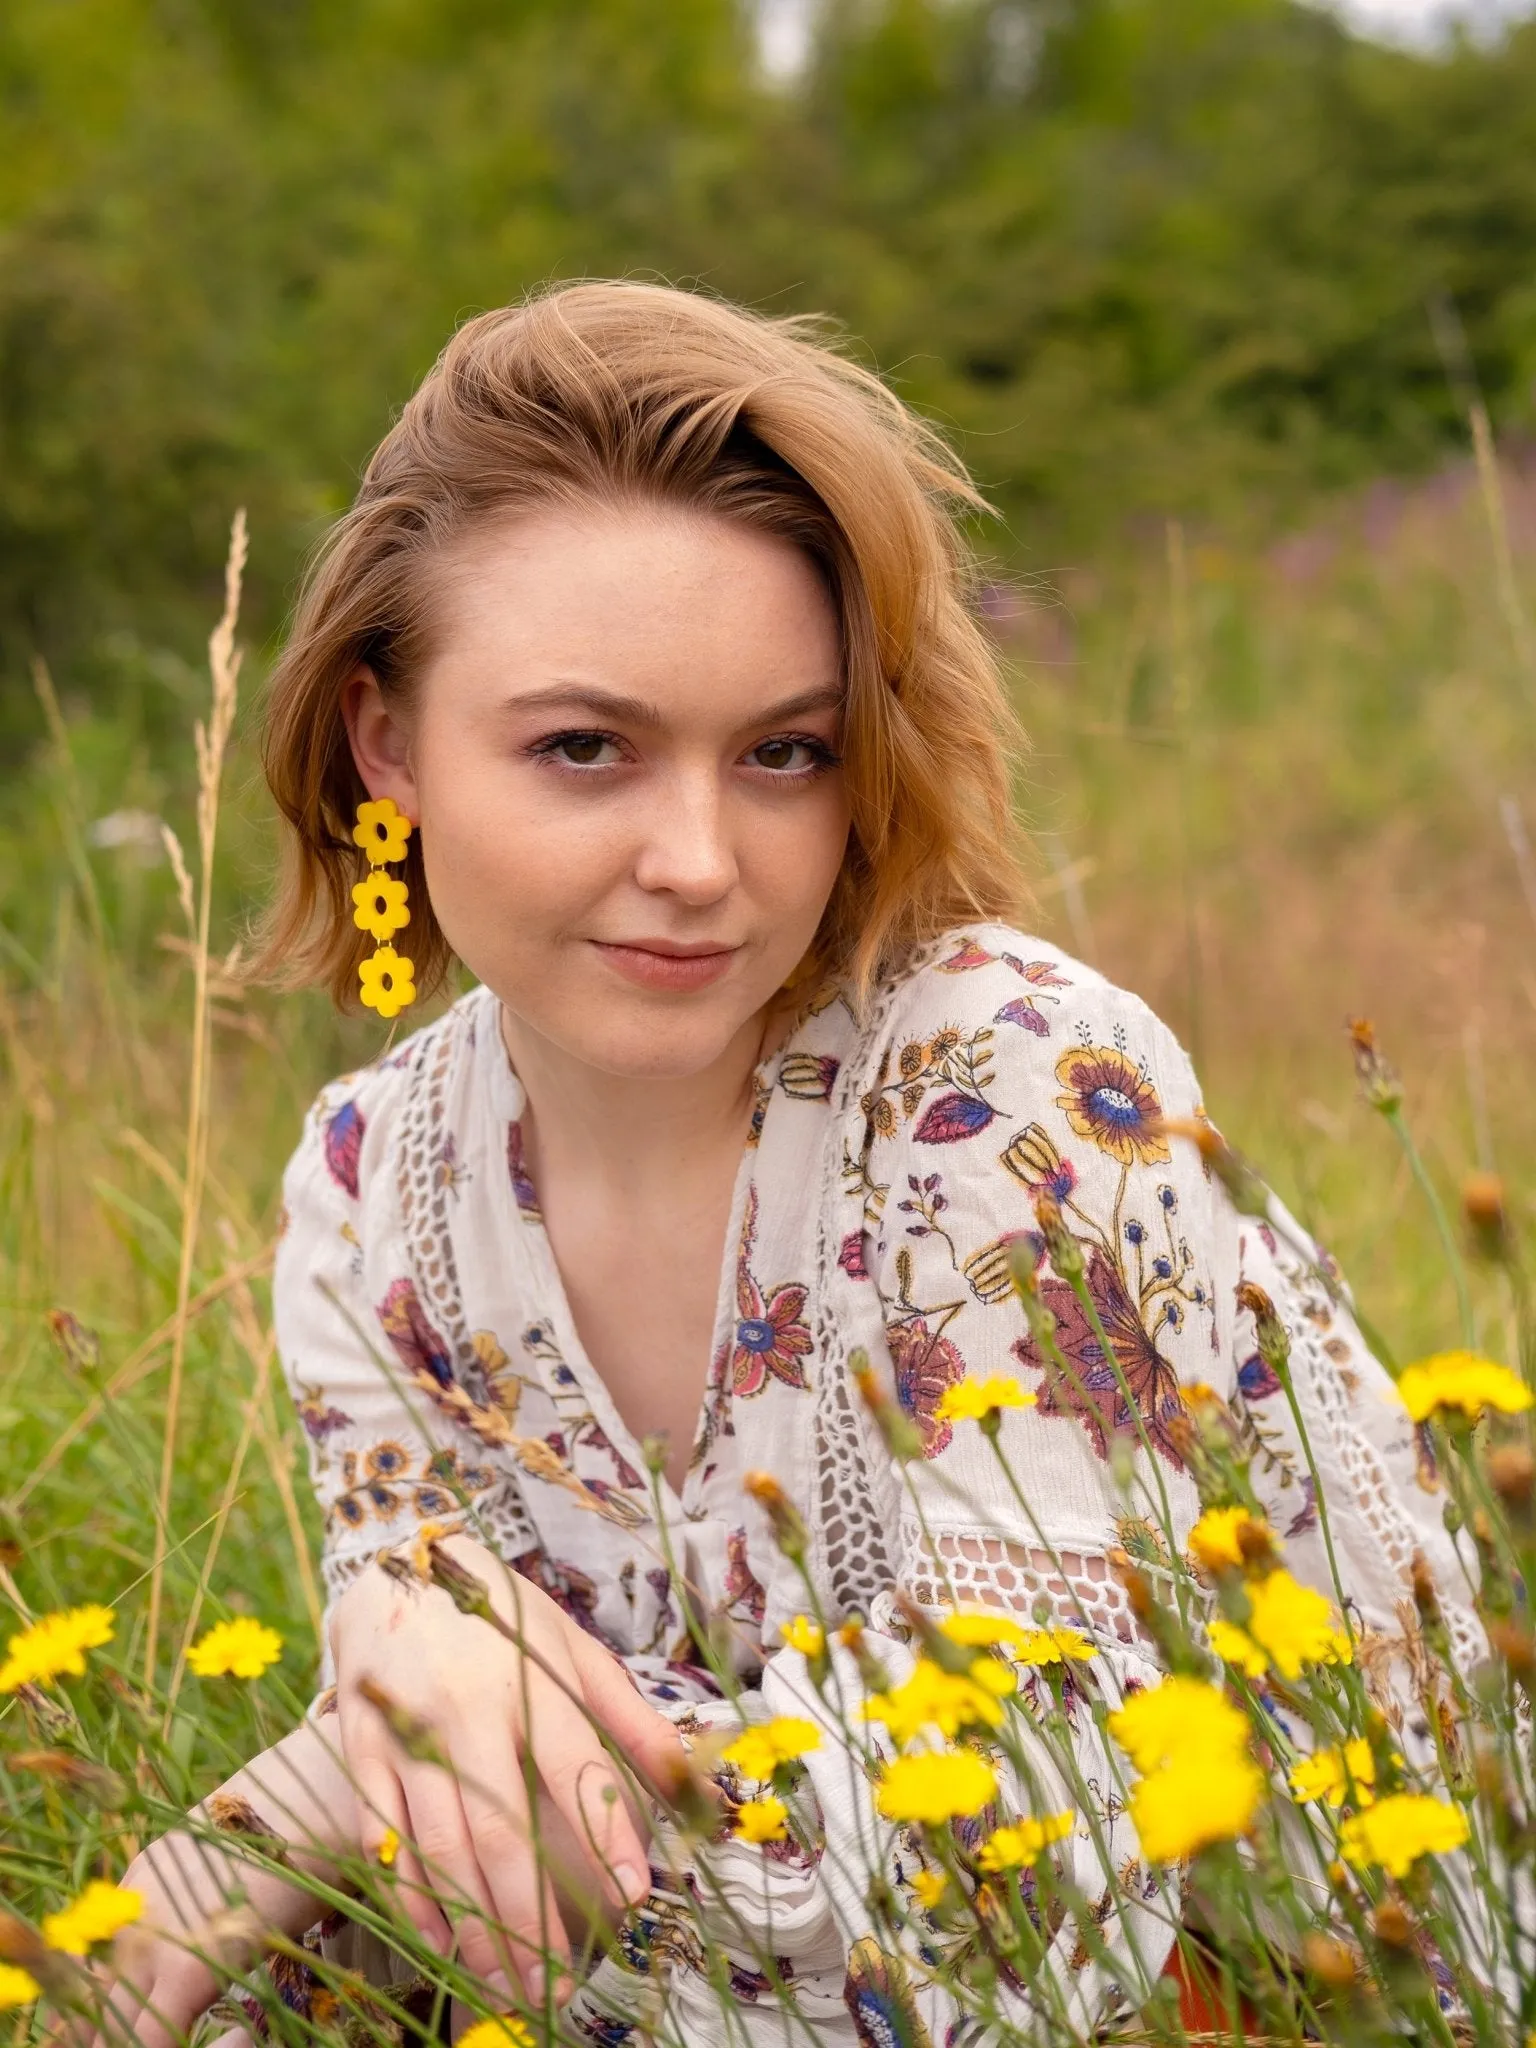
column 387, row 979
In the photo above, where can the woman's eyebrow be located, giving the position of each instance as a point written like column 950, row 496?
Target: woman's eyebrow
column 625, row 709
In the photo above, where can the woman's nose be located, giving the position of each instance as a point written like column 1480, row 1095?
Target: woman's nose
column 687, row 849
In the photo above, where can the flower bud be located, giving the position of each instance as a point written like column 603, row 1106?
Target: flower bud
column 789, row 1531
column 1328, row 1960
column 1270, row 1333
column 1393, row 1925
column 1066, row 1254
column 1246, row 1192
column 1379, row 1084
column 414, row 1735
column 1511, row 1473
column 1485, row 1210
column 903, row 1438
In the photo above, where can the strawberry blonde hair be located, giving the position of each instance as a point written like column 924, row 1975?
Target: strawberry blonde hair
column 632, row 393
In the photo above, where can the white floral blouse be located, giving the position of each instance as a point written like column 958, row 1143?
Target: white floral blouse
column 894, row 1156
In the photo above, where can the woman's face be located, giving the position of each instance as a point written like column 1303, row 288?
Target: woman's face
column 623, row 763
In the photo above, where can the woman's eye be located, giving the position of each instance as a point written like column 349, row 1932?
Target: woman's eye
column 579, row 749
column 789, row 755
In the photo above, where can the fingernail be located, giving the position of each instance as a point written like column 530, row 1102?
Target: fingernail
column 533, row 1980
column 633, row 1882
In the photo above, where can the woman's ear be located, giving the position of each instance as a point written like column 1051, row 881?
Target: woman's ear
column 380, row 746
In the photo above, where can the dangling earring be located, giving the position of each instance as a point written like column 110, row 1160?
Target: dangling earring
column 387, row 979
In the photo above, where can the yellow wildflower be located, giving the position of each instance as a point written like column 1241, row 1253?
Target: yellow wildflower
column 507, row 2032
column 1055, row 1646
column 387, row 982
column 804, row 1635
column 928, row 1887
column 54, row 1646
column 762, row 1820
column 381, row 831
column 1464, row 1380
column 241, row 1648
column 1327, row 1773
column 932, row 1789
column 17, row 1987
column 1290, row 1625
column 380, row 906
column 1008, row 1848
column 389, row 1848
column 1182, row 1717
column 758, row 1751
column 1188, row 1805
column 1394, row 1832
column 982, row 1629
column 979, row 1400
column 101, row 1910
column 945, row 1700
column 1216, row 1539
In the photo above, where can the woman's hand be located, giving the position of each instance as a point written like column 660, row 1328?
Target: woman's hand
column 159, row 1982
column 465, row 1835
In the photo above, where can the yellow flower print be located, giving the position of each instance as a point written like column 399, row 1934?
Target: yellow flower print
column 933, row 1789
column 1396, row 1832
column 101, row 1911
column 54, row 1646
column 381, row 830
column 241, row 1648
column 1110, row 1100
column 762, row 1820
column 388, row 982
column 1461, row 1379
column 380, row 906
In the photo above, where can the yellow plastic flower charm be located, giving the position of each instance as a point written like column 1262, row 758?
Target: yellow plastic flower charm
column 928, row 1887
column 388, row 982
column 1395, row 1832
column 101, row 1911
column 762, row 1820
column 507, row 2032
column 1230, row 1540
column 1191, row 1803
column 1327, row 1773
column 933, row 1789
column 758, row 1751
column 381, row 905
column 381, row 830
column 945, row 1700
column 17, row 1987
column 241, row 1648
column 54, row 1646
column 1461, row 1379
column 980, row 1400
column 1290, row 1625
column 389, row 1848
column 804, row 1635
column 1021, row 1842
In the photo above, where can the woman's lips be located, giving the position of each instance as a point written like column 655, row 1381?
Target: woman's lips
column 655, row 967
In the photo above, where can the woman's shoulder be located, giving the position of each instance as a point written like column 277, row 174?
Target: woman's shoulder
column 348, row 1125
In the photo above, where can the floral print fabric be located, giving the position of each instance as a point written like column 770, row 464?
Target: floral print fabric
column 895, row 1156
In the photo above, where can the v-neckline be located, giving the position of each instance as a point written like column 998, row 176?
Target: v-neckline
column 552, row 1302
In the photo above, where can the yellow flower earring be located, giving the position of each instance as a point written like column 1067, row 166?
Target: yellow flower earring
column 380, row 907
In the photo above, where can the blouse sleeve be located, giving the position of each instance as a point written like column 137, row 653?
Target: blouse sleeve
column 1015, row 1079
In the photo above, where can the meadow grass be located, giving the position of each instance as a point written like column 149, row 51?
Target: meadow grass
column 1268, row 791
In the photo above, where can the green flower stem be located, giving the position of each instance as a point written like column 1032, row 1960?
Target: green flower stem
column 1458, row 1265
column 1078, row 1282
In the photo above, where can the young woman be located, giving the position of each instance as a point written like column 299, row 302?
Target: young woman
column 644, row 659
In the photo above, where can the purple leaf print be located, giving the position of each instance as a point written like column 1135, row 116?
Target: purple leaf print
column 1022, row 1011
column 406, row 1326
column 850, row 1256
column 952, row 1118
column 344, row 1145
column 1042, row 973
column 527, row 1195
column 966, row 956
column 1306, row 1515
column 1257, row 1379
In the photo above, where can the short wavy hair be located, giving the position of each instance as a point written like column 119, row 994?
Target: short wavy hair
column 622, row 393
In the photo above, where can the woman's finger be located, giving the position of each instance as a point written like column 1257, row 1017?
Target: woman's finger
column 647, row 1740
column 441, row 1839
column 383, row 1813
column 588, row 1791
column 518, row 1879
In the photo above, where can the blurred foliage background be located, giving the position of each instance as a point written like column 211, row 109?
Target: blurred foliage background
column 1203, row 289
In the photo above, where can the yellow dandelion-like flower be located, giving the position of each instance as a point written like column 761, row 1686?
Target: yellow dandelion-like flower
column 1290, row 1625
column 381, row 830
column 387, row 982
column 101, row 1911
column 1215, row 1540
column 1327, row 1773
column 507, row 2032
column 241, row 1648
column 758, row 1751
column 54, row 1646
column 1464, row 1380
column 928, row 1887
column 389, row 1848
column 982, row 1629
column 380, row 906
column 804, row 1635
column 977, row 1400
column 1182, row 1717
column 762, row 1820
column 1395, row 1832
column 1023, row 1841
column 937, row 1787
column 1186, row 1806
column 945, row 1700
column 1056, row 1646
column 17, row 1987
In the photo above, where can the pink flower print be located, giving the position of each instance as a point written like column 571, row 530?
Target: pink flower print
column 772, row 1335
column 966, row 956
column 344, row 1146
column 926, row 1364
column 406, row 1326
column 850, row 1256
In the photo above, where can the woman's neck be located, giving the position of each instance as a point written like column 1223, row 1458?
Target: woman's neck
column 624, row 1135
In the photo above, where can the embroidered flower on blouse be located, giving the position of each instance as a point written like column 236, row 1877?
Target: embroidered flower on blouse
column 1110, row 1100
column 926, row 1365
column 772, row 1335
